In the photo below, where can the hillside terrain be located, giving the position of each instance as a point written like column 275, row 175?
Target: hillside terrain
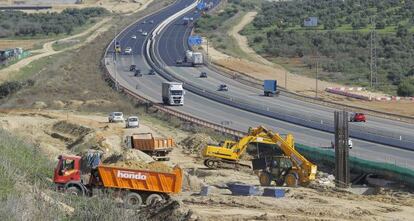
column 341, row 42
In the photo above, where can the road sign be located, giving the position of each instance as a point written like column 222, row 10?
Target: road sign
column 194, row 40
column 201, row 6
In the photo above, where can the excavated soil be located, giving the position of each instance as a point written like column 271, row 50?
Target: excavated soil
column 153, row 166
column 196, row 142
column 71, row 128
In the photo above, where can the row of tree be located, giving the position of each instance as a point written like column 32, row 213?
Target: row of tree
column 343, row 56
column 332, row 14
column 17, row 23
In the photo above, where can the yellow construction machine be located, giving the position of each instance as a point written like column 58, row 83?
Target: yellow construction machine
column 282, row 165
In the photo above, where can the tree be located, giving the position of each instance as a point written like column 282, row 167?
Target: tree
column 405, row 88
column 402, row 31
column 380, row 25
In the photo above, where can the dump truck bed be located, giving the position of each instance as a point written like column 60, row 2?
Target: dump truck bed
column 146, row 142
column 141, row 180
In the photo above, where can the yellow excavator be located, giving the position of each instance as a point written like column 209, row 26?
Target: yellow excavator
column 284, row 165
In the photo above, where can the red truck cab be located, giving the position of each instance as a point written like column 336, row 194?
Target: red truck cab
column 67, row 170
column 358, row 117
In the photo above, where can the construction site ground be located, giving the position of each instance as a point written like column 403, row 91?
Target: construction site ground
column 57, row 131
column 261, row 68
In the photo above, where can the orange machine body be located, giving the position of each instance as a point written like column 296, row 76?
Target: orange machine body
column 141, row 180
column 147, row 142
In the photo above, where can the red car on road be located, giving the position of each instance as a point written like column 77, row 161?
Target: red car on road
column 357, row 117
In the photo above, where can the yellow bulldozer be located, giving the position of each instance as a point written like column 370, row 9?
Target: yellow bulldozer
column 284, row 165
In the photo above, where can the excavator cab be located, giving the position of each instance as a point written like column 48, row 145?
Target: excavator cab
column 274, row 168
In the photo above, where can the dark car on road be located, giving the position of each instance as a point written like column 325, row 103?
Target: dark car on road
column 132, row 67
column 223, row 87
column 151, row 72
column 179, row 61
column 137, row 73
column 203, row 75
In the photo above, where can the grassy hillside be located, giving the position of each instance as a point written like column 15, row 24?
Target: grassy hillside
column 341, row 39
column 25, row 25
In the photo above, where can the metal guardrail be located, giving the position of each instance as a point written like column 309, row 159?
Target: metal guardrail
column 155, row 62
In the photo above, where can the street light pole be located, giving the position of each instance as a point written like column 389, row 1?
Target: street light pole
column 316, row 89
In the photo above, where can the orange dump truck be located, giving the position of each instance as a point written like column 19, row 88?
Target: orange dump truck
column 156, row 147
column 135, row 187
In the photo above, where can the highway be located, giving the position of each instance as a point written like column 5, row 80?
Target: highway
column 173, row 44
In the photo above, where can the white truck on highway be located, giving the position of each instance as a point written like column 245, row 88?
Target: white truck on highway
column 173, row 93
column 194, row 58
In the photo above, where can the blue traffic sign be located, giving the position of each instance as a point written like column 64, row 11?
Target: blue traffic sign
column 201, row 6
column 194, row 40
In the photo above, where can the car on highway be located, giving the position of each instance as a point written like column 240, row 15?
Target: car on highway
column 132, row 67
column 203, row 75
column 134, row 37
column 357, row 117
column 140, row 30
column 144, row 33
column 144, row 22
column 350, row 144
column 128, row 50
column 223, row 87
column 138, row 73
column 132, row 122
column 116, row 117
column 151, row 21
column 151, row 72
column 179, row 61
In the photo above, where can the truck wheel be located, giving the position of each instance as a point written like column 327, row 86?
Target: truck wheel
column 265, row 179
column 132, row 200
column 210, row 164
column 291, row 180
column 153, row 198
column 75, row 191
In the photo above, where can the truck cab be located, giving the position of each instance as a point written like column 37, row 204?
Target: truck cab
column 173, row 93
column 67, row 170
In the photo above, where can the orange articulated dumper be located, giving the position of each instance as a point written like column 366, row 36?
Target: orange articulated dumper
column 156, row 147
column 135, row 186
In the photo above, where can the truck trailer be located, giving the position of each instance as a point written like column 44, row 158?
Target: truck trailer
column 270, row 88
column 156, row 147
column 194, row 58
column 173, row 93
column 135, row 186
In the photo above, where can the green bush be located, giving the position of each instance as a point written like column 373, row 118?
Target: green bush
column 405, row 88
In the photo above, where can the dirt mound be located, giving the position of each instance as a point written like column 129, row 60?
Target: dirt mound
column 153, row 166
column 196, row 142
column 72, row 129
column 129, row 155
column 191, row 183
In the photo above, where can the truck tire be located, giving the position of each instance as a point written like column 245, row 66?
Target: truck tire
column 292, row 180
column 210, row 164
column 265, row 179
column 132, row 200
column 75, row 191
column 153, row 198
